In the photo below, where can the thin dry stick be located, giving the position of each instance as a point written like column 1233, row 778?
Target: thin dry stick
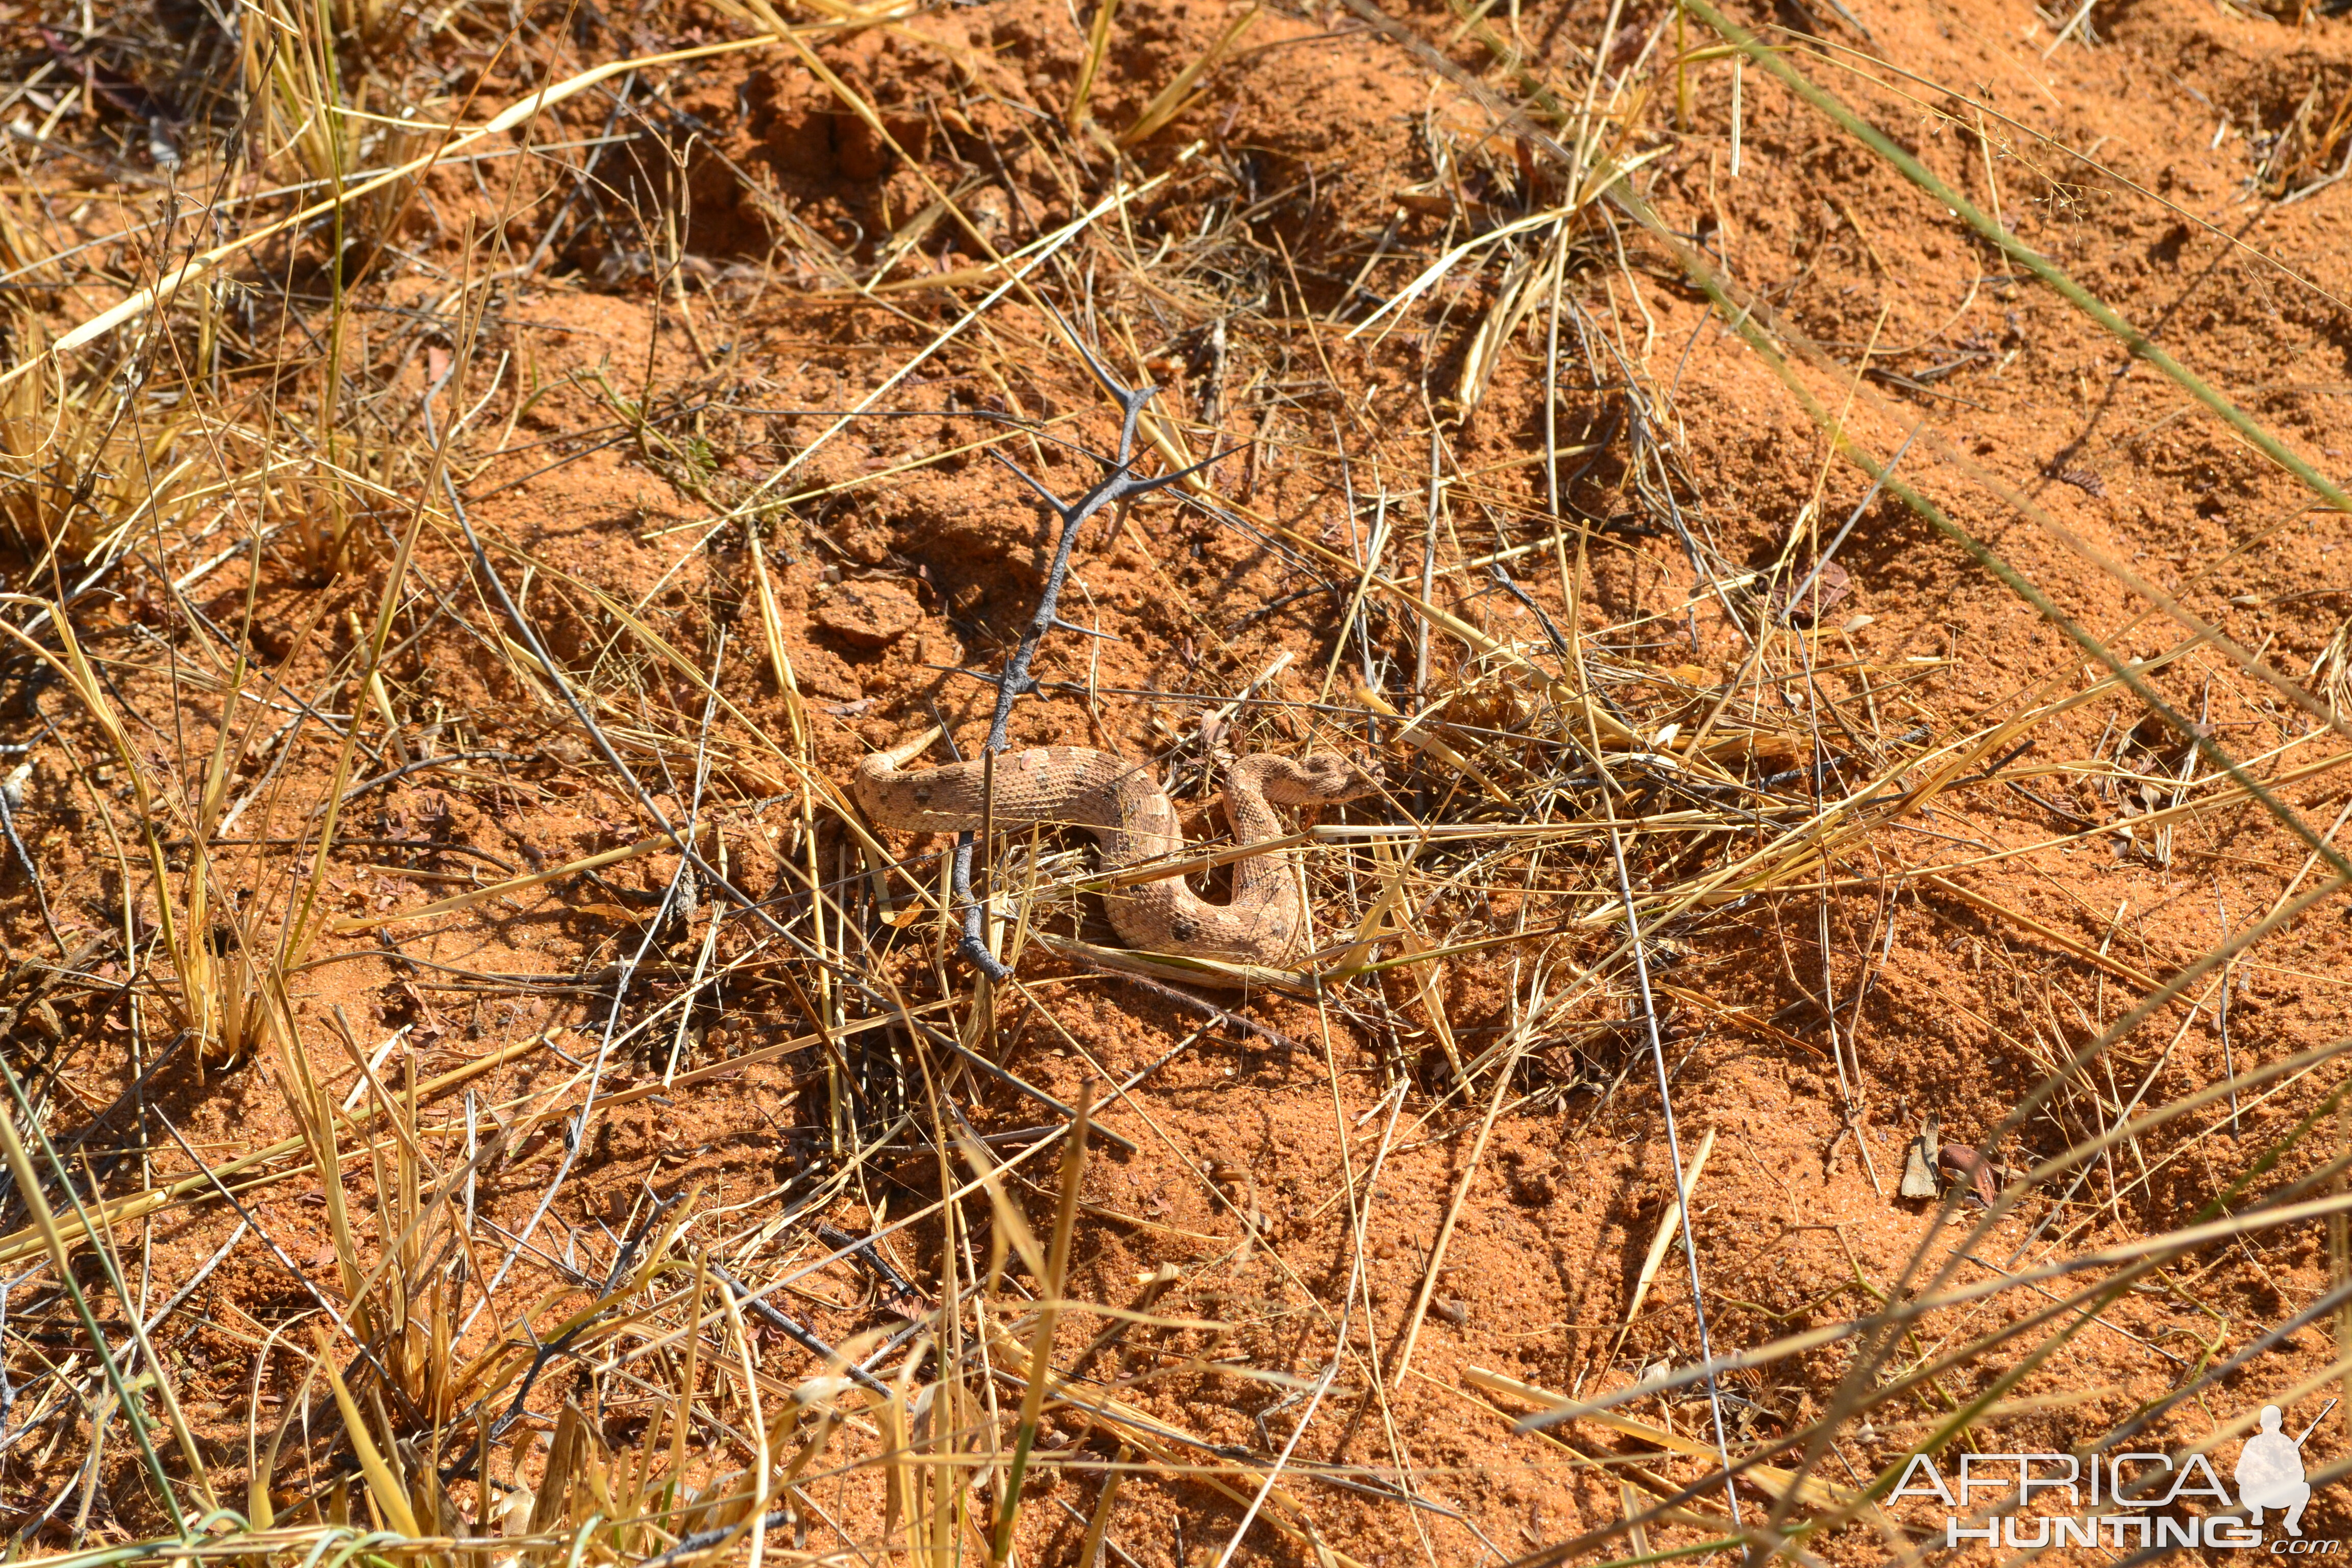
column 1122, row 483
column 1668, row 1228
column 1428, row 573
column 1674, row 1146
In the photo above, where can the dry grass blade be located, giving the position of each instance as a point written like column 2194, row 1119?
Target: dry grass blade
column 29, row 1186
column 2137, row 342
column 476, row 482
column 78, row 471
column 1041, row 1350
column 184, row 277
column 1177, row 97
column 456, row 902
column 389, row 1494
column 1667, row 1229
column 1090, row 65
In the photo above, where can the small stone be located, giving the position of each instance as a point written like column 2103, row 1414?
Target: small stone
column 819, row 672
column 869, row 614
column 990, row 213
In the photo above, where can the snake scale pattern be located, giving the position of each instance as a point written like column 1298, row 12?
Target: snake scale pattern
column 1123, row 805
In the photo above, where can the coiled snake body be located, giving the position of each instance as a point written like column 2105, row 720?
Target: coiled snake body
column 1122, row 804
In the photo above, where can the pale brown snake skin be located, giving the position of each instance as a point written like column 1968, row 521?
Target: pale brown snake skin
column 1122, row 804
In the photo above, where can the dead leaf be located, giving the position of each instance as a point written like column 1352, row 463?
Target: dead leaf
column 1918, row 1177
column 1829, row 585
column 1919, row 1163
column 1961, row 1162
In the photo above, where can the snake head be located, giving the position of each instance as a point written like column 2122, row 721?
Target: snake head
column 1325, row 778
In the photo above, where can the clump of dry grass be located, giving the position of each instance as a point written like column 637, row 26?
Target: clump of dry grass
column 1566, row 812
column 84, row 467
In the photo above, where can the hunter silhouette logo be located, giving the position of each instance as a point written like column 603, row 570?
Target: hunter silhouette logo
column 2269, row 1472
column 2130, row 1496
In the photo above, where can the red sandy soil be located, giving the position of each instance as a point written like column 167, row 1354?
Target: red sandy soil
column 1319, row 134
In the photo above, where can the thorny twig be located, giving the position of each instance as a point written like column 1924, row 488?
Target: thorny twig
column 32, row 872
column 799, row 1335
column 1120, row 484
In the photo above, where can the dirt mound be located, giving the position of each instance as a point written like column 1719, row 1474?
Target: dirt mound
column 1854, row 895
